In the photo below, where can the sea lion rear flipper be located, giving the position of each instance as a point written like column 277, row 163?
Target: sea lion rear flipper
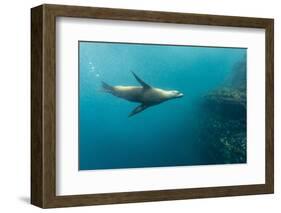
column 106, row 87
column 138, row 109
column 145, row 85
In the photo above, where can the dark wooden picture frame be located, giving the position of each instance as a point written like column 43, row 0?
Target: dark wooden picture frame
column 43, row 105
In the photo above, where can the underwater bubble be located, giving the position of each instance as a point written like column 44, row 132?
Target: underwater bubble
column 92, row 69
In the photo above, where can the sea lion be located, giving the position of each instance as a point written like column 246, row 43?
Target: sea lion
column 145, row 94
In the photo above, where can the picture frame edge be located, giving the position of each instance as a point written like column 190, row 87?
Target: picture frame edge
column 43, row 118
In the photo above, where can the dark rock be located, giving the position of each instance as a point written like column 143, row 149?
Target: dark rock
column 225, row 120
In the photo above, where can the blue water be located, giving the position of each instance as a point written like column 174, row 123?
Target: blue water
column 162, row 135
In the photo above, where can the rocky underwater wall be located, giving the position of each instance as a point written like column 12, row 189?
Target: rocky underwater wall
column 225, row 119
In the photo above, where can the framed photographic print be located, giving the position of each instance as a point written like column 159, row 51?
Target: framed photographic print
column 135, row 106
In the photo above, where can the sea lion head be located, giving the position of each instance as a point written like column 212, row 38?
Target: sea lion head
column 174, row 94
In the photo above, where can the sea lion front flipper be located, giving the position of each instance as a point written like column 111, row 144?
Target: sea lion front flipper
column 145, row 85
column 138, row 109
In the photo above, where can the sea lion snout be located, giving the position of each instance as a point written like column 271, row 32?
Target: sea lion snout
column 180, row 95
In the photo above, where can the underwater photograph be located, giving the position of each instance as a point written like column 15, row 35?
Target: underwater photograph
column 156, row 105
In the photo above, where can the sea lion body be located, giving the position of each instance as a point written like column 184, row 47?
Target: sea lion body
column 138, row 94
column 145, row 95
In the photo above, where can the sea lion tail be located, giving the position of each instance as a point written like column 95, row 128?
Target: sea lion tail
column 106, row 87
